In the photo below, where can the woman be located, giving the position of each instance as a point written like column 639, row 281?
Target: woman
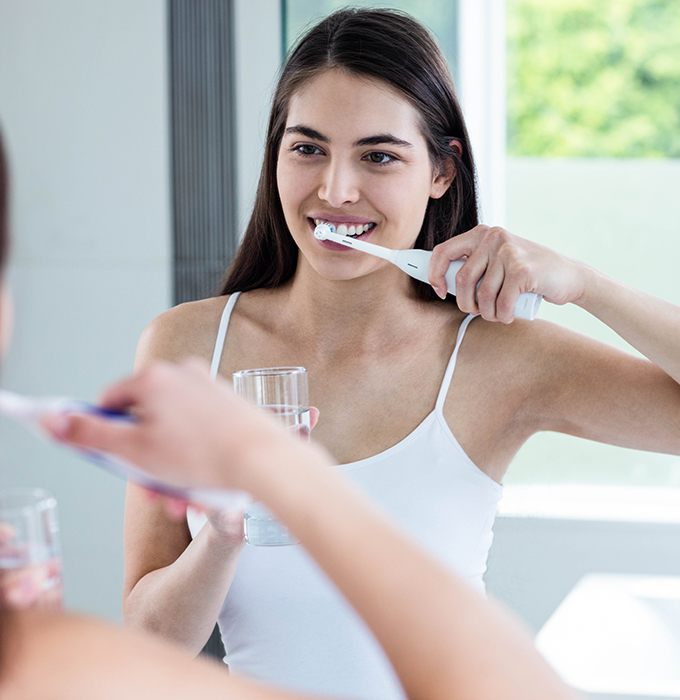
column 66, row 657
column 421, row 406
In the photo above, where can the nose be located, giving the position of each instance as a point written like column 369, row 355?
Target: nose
column 339, row 184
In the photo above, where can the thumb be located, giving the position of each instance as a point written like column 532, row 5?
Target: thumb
column 89, row 431
column 313, row 417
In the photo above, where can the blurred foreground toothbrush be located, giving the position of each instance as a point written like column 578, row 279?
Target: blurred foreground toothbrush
column 28, row 411
column 416, row 263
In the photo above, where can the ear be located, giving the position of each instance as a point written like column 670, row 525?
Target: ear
column 445, row 174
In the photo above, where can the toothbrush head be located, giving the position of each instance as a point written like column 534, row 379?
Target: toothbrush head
column 322, row 230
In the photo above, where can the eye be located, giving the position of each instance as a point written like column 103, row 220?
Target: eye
column 306, row 149
column 380, row 158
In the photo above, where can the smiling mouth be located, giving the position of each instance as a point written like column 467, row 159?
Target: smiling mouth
column 353, row 230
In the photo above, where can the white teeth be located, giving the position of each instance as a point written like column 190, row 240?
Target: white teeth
column 345, row 230
column 358, row 230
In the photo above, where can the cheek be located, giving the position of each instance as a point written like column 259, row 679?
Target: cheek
column 282, row 180
column 293, row 184
column 409, row 197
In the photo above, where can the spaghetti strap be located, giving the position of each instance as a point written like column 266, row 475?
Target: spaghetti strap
column 222, row 334
column 448, row 375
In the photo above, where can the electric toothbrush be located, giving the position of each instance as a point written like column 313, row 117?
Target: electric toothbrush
column 416, row 263
column 28, row 411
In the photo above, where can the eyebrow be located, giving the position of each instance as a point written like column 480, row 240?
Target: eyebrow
column 366, row 141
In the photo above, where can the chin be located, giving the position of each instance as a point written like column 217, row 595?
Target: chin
column 340, row 272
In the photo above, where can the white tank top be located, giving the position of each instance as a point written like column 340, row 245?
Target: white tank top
column 283, row 621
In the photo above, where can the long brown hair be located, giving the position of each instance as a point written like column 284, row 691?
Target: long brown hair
column 386, row 45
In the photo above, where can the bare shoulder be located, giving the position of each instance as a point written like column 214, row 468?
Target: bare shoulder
column 510, row 371
column 541, row 345
column 508, row 379
column 549, row 366
column 185, row 330
column 75, row 668
column 70, row 656
column 500, row 372
column 520, row 344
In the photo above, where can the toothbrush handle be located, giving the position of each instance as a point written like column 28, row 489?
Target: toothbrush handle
column 416, row 262
column 111, row 413
column 527, row 303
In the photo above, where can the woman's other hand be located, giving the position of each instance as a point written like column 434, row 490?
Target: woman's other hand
column 227, row 524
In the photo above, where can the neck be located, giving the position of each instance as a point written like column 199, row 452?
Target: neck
column 350, row 315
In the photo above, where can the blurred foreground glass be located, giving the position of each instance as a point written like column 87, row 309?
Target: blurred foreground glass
column 30, row 557
column 284, row 392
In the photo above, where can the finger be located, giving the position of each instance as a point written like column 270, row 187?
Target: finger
column 124, row 393
column 467, row 279
column 90, row 431
column 197, row 366
column 314, row 414
column 507, row 300
column 454, row 248
column 53, row 568
column 23, row 590
column 175, row 508
column 229, row 523
column 150, row 495
column 489, row 288
column 20, row 595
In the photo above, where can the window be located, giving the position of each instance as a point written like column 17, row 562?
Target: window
column 592, row 170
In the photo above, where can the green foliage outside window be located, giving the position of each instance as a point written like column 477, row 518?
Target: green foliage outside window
column 594, row 78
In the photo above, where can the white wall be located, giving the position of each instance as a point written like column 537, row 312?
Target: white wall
column 255, row 77
column 83, row 104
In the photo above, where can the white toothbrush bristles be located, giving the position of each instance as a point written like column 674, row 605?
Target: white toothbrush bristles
column 322, row 230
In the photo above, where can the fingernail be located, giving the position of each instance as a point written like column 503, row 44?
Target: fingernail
column 21, row 595
column 441, row 292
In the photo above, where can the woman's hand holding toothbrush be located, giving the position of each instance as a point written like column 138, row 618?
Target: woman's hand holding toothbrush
column 499, row 266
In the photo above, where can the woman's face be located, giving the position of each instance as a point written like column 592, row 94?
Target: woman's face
column 353, row 153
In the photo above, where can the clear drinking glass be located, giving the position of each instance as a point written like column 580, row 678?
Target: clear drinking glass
column 30, row 557
column 284, row 392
